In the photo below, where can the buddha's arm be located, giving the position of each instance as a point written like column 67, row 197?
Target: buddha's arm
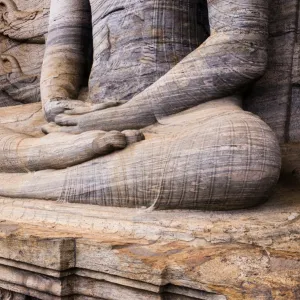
column 233, row 56
column 64, row 61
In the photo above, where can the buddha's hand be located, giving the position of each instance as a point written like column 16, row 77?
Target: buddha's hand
column 87, row 108
column 69, row 107
column 54, row 107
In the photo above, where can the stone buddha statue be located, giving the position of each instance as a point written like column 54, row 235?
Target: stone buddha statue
column 159, row 124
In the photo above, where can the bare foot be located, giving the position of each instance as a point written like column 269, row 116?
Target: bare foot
column 59, row 150
column 132, row 136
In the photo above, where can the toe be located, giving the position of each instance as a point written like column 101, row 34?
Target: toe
column 116, row 139
column 110, row 142
column 133, row 136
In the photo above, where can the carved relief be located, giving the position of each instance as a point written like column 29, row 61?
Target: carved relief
column 21, row 44
column 17, row 85
column 22, row 25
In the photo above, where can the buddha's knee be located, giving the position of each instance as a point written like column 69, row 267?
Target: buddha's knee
column 228, row 162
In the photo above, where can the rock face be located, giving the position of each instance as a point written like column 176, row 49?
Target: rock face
column 274, row 97
column 138, row 104
column 23, row 29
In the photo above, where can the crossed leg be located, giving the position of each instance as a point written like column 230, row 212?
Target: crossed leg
column 24, row 151
column 211, row 157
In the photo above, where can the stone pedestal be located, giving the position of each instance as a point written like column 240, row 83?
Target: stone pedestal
column 61, row 251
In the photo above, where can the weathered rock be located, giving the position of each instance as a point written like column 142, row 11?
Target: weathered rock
column 23, row 30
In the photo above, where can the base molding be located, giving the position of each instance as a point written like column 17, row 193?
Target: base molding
column 64, row 251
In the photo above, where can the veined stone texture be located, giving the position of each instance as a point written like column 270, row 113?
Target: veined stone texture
column 22, row 36
column 155, row 56
column 152, row 37
column 138, row 104
column 283, row 37
column 274, row 97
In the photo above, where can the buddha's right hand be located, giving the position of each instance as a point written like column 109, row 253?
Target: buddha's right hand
column 54, row 107
column 87, row 108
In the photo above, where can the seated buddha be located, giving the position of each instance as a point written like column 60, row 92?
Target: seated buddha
column 160, row 123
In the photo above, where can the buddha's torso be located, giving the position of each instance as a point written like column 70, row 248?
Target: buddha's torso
column 152, row 37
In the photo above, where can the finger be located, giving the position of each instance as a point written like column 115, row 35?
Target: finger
column 87, row 109
column 54, row 107
column 49, row 128
column 121, row 102
column 78, row 111
column 109, row 104
column 54, row 128
column 66, row 120
column 71, row 104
